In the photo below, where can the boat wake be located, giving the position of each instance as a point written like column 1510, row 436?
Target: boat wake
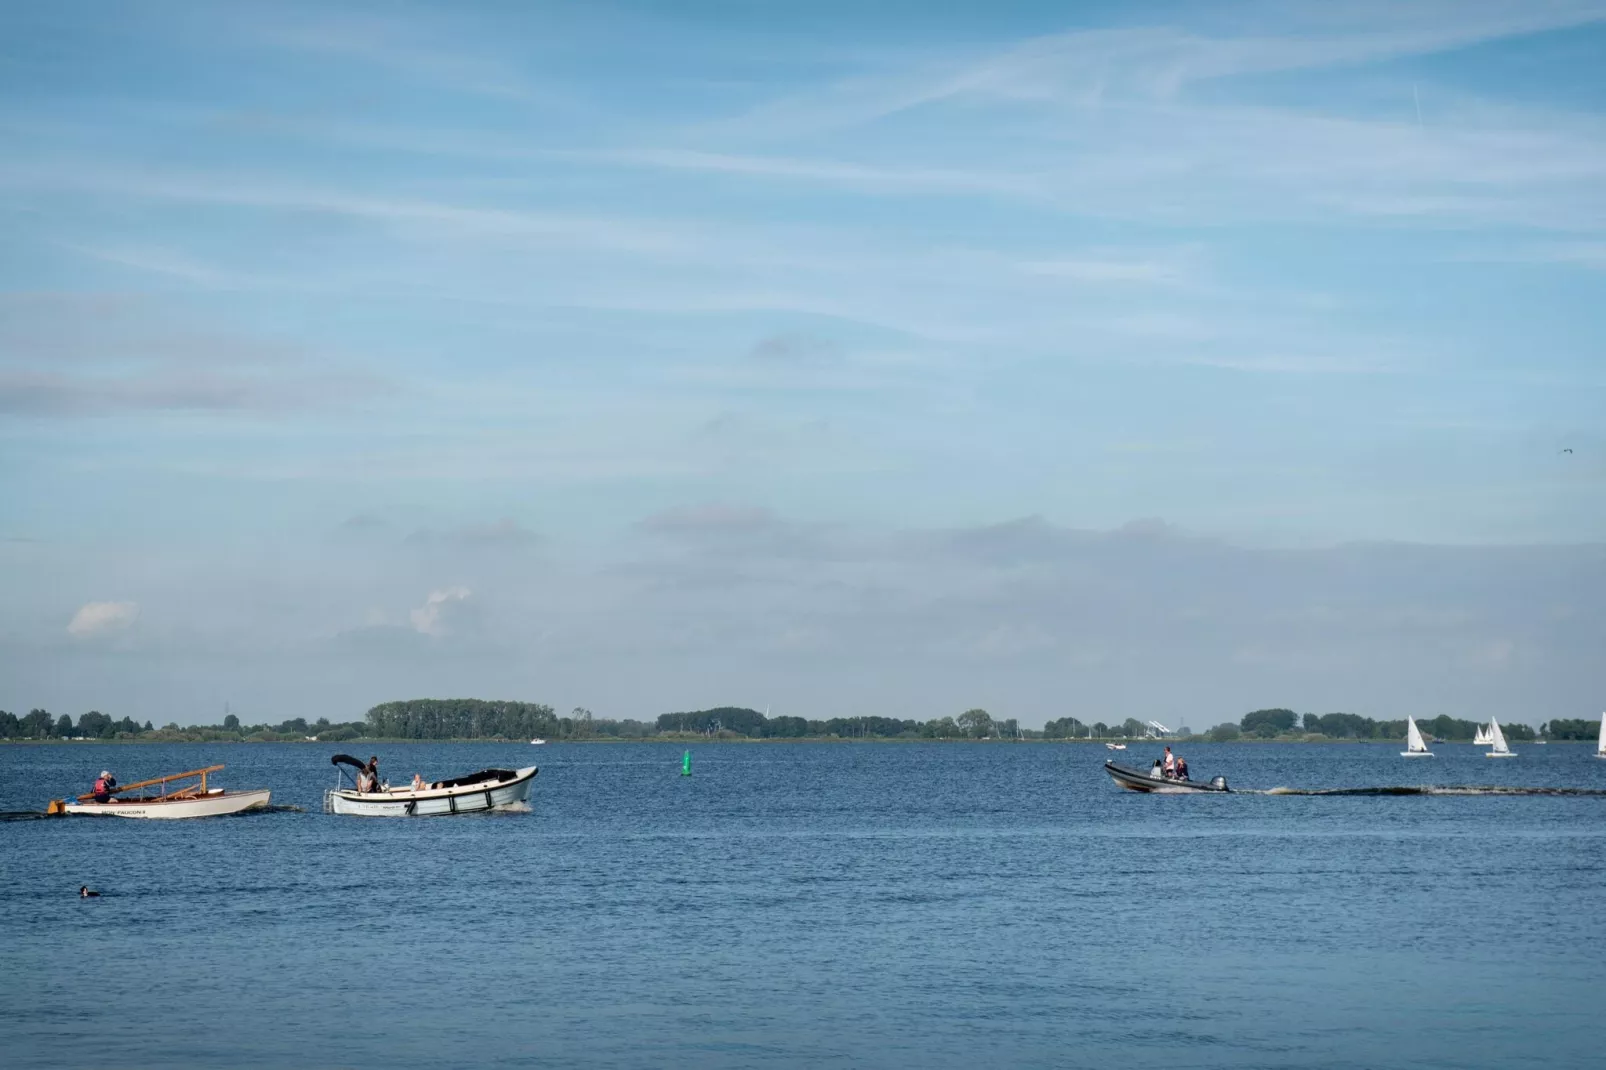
column 1428, row 789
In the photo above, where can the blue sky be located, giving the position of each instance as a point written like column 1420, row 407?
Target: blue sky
column 841, row 358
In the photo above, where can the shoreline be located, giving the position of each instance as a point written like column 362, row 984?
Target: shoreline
column 363, row 741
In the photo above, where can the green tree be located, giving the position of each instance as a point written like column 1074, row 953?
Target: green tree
column 1268, row 723
column 1132, row 727
column 96, row 725
column 1313, row 723
column 1224, row 733
column 64, row 726
column 1565, row 728
column 231, row 723
column 37, row 725
column 977, row 724
column 1100, row 729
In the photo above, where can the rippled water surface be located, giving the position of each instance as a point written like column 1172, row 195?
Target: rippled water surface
column 811, row 904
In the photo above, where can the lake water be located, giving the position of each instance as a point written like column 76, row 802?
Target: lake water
column 901, row 905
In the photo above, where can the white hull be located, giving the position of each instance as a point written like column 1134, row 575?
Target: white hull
column 1501, row 754
column 214, row 804
column 432, row 802
column 1416, row 754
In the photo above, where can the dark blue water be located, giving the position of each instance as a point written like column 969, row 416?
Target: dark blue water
column 806, row 905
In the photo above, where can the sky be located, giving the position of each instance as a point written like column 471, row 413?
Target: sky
column 1101, row 360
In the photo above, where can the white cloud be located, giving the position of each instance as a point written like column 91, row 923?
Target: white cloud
column 432, row 617
column 103, row 618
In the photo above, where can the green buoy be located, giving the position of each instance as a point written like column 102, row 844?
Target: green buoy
column 685, row 764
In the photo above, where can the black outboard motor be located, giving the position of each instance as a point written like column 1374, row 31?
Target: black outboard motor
column 1219, row 783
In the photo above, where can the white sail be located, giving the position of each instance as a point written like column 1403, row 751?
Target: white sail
column 1497, row 741
column 1481, row 737
column 1600, row 748
column 1415, row 747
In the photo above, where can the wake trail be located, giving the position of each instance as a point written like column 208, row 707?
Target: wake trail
column 1425, row 789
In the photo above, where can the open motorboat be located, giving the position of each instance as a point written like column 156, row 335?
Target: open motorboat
column 488, row 789
column 1497, row 742
column 170, row 797
column 537, row 742
column 1115, row 746
column 1415, row 747
column 1154, row 783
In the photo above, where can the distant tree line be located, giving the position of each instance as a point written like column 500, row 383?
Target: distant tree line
column 1284, row 723
column 482, row 719
column 42, row 724
column 94, row 725
column 1562, row 728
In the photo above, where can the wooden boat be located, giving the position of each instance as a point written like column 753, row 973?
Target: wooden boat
column 173, row 799
column 1138, row 780
column 488, row 789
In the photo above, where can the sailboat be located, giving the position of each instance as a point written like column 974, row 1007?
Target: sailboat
column 1600, row 748
column 1497, row 741
column 1480, row 738
column 1414, row 745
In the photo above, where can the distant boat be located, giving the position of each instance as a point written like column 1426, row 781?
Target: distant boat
column 1414, row 745
column 537, row 742
column 1481, row 737
column 1600, row 748
column 1497, row 741
column 1122, row 746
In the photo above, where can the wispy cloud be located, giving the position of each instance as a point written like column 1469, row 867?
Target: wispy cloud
column 102, row 618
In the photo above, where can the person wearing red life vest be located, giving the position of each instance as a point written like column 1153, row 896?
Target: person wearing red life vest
column 105, row 784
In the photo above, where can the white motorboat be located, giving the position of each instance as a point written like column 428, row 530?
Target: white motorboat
column 1115, row 746
column 173, row 799
column 537, row 742
column 1497, row 742
column 488, row 789
column 1415, row 746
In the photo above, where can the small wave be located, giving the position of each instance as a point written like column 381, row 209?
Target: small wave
column 1430, row 789
column 21, row 815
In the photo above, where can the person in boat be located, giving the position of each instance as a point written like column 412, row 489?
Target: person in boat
column 1169, row 766
column 1181, row 768
column 85, row 893
column 419, row 783
column 104, row 786
column 1156, row 771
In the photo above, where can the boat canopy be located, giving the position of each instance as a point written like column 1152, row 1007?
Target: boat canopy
column 346, row 759
column 495, row 776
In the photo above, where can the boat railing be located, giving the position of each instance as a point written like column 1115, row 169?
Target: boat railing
column 163, row 782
